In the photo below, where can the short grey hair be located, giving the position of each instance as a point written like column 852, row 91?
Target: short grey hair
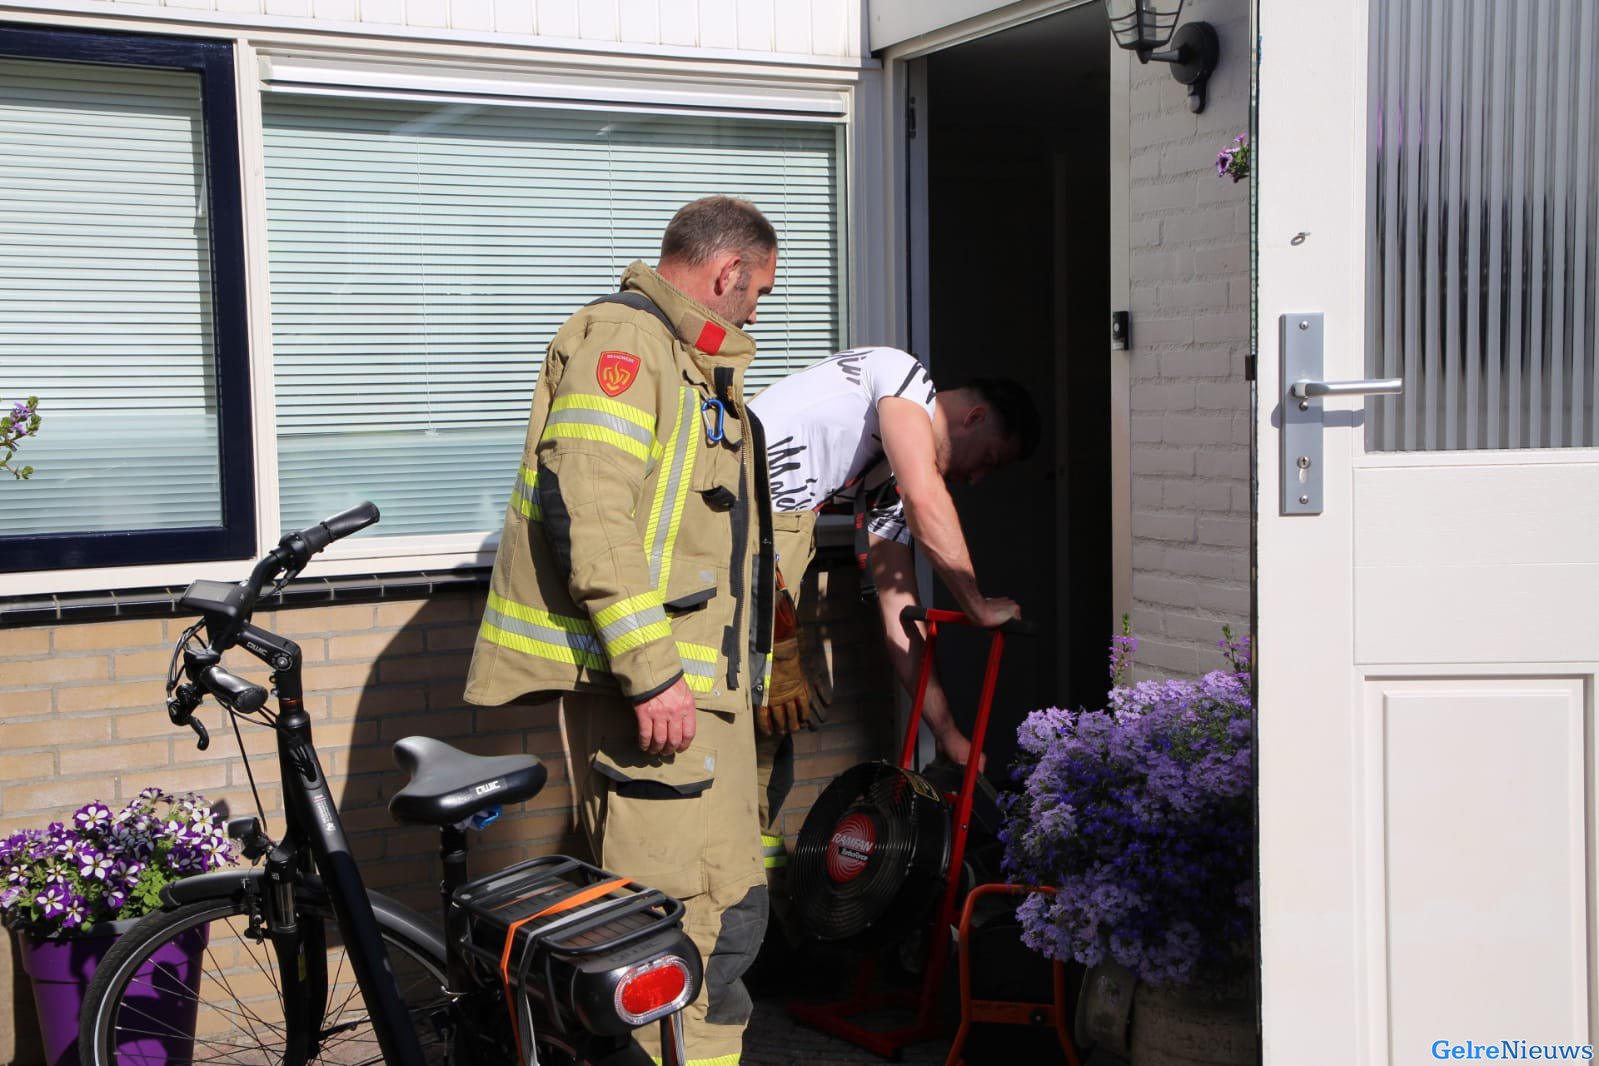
column 713, row 225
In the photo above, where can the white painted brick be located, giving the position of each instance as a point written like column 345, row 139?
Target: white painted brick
column 1143, row 166
column 1149, row 331
column 513, row 16
column 1197, row 496
column 1228, row 259
column 1202, row 631
column 1173, row 527
column 1193, row 295
column 1242, row 426
column 1220, row 190
column 1149, row 555
column 1162, row 196
column 1197, row 363
column 1147, row 622
column 1143, row 233
column 558, row 18
column 1148, row 429
column 1147, row 494
column 1163, row 265
column 1232, row 326
column 1196, row 429
column 1223, row 532
column 1159, row 462
column 1215, row 565
column 1241, row 499
column 1152, row 589
column 1205, row 224
column 1223, row 464
column 1231, row 396
column 1167, row 126
column 1163, row 398
column 1171, row 658
column 1238, row 292
column 1229, row 600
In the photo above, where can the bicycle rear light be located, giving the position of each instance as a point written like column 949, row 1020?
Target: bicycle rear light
column 653, row 990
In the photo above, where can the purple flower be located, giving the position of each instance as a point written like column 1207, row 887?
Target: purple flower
column 52, row 901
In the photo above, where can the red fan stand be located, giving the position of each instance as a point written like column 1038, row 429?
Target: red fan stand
column 836, row 1018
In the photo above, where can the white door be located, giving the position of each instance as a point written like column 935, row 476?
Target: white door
column 1428, row 629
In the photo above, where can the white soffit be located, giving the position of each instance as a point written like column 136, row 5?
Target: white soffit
column 890, row 22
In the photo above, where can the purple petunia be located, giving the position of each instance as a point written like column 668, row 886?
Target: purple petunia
column 102, row 865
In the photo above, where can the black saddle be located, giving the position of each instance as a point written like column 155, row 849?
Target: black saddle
column 449, row 786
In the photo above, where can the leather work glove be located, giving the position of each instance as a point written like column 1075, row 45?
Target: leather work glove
column 788, row 698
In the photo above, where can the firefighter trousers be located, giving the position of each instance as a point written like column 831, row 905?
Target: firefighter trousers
column 687, row 825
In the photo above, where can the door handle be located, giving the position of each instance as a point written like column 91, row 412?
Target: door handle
column 1300, row 425
column 1304, row 388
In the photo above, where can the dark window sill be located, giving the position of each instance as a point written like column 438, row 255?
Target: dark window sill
column 81, row 607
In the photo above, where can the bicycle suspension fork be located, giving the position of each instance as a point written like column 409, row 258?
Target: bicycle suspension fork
column 313, row 820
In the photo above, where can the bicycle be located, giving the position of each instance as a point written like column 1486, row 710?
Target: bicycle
column 293, row 961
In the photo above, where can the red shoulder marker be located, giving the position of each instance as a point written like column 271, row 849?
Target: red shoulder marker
column 710, row 339
column 616, row 371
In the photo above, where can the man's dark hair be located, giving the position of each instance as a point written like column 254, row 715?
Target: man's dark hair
column 1018, row 415
column 708, row 227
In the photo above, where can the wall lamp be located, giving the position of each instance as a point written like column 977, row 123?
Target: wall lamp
column 1146, row 26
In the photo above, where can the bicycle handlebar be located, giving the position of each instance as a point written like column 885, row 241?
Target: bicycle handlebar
column 233, row 691
column 1021, row 627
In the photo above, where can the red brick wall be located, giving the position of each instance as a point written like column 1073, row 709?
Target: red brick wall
column 82, row 717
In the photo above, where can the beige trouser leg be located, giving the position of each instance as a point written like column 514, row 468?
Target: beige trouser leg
column 794, row 536
column 686, row 825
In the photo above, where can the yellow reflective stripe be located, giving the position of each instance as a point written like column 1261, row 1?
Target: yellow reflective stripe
column 632, row 622
column 699, row 665
column 720, row 1060
column 543, row 649
column 773, row 853
column 703, row 653
column 671, row 489
column 602, row 435
column 537, row 616
column 525, row 496
column 578, row 402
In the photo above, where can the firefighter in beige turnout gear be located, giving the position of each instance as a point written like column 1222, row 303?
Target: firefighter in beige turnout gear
column 634, row 576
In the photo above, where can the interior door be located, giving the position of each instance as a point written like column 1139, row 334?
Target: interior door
column 1428, row 580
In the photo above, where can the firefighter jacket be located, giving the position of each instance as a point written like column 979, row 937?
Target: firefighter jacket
column 637, row 543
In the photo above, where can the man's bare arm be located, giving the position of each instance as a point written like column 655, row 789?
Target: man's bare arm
column 929, row 510
column 894, row 571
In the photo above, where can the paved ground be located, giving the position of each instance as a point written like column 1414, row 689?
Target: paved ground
column 775, row 1038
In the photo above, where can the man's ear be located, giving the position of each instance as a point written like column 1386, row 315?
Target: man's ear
column 727, row 273
column 976, row 415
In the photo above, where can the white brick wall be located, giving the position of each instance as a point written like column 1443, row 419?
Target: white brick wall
column 1188, row 265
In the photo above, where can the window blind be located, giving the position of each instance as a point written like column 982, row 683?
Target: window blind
column 105, row 298
column 424, row 253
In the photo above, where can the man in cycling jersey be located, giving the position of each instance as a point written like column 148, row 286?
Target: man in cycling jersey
column 867, row 432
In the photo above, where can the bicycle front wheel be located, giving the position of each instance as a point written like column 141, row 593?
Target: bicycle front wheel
column 201, row 984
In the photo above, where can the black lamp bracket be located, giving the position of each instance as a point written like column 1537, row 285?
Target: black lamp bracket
column 1192, row 54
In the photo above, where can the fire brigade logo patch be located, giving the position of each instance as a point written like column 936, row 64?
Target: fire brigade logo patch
column 616, row 371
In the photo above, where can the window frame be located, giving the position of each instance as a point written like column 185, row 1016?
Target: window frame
column 235, row 536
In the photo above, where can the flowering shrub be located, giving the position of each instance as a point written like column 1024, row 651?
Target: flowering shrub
column 1233, row 161
column 23, row 421
column 103, row 866
column 1141, row 817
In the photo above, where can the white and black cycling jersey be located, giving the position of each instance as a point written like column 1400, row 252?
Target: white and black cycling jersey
column 823, row 443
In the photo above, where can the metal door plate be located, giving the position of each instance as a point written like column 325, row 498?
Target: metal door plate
column 1300, row 344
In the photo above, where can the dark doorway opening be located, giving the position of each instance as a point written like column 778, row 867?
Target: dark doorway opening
column 1018, row 239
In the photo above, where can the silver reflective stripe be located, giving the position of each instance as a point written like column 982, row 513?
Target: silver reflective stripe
column 582, row 416
column 649, row 616
column 673, row 488
column 585, row 644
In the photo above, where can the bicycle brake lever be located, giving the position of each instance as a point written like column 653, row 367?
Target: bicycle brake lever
column 199, row 728
column 180, row 708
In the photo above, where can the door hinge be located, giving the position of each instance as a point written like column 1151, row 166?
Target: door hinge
column 910, row 119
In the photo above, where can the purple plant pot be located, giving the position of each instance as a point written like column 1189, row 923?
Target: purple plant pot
column 164, row 994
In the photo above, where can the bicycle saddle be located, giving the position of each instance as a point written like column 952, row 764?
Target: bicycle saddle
column 448, row 785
